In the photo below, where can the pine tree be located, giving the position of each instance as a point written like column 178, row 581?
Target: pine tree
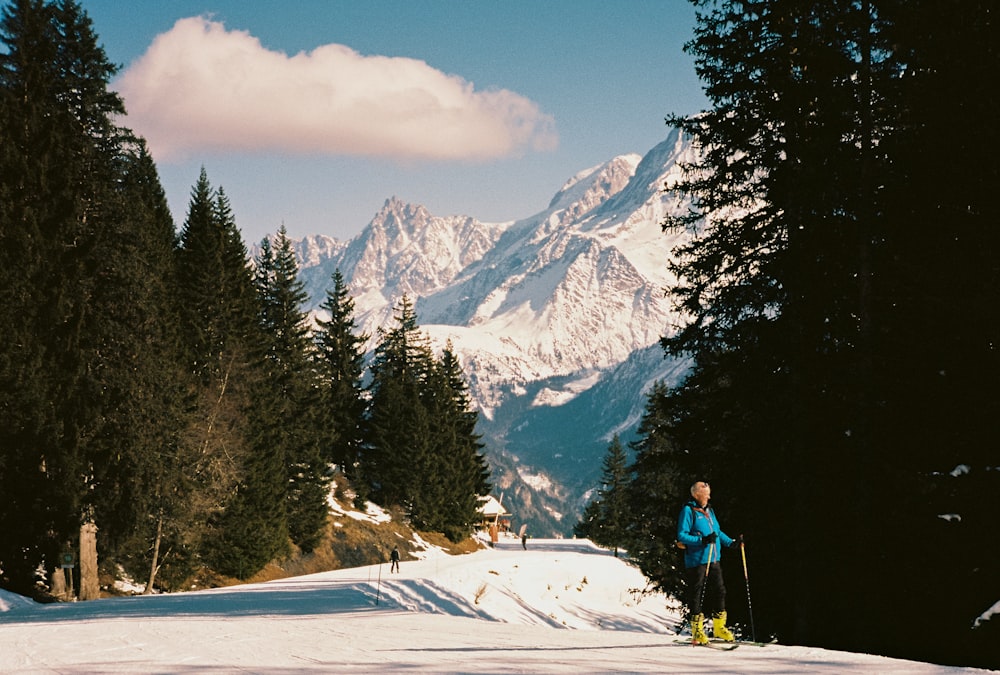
column 458, row 467
column 153, row 490
column 422, row 451
column 30, row 219
column 778, row 280
column 78, row 369
column 397, row 452
column 805, row 285
column 293, row 395
column 216, row 290
column 339, row 360
column 655, row 495
column 235, row 456
column 136, row 472
column 605, row 519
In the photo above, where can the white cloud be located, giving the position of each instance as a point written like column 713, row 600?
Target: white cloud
column 200, row 87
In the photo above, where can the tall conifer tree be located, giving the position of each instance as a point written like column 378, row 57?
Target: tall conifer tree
column 656, row 493
column 152, row 490
column 458, row 468
column 422, row 451
column 777, row 281
column 398, row 427
column 340, row 364
column 241, row 476
column 79, row 367
column 816, row 216
column 291, row 399
column 30, row 220
column 142, row 356
column 605, row 518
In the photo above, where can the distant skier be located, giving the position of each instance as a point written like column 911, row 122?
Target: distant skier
column 698, row 532
column 524, row 536
column 394, row 560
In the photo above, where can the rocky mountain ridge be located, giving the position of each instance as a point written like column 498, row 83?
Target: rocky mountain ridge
column 556, row 317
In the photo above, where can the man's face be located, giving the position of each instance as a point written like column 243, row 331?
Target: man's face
column 703, row 495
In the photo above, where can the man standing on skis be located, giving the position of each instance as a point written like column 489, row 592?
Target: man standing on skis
column 699, row 534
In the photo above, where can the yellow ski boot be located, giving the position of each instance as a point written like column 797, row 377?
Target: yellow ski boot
column 698, row 636
column 719, row 630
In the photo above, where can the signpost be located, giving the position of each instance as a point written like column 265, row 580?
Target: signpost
column 67, row 563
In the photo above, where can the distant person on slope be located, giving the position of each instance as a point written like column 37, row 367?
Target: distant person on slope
column 394, row 560
column 699, row 534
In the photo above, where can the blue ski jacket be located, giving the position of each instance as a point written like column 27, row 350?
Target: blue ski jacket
column 694, row 523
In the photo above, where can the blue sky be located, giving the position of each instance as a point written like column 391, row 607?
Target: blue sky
column 310, row 113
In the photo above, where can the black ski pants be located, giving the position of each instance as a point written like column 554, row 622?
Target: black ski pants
column 709, row 587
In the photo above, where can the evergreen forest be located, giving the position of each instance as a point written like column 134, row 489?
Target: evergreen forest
column 841, row 295
column 162, row 387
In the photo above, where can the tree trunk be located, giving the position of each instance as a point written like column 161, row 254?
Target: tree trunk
column 58, row 585
column 156, row 555
column 90, row 587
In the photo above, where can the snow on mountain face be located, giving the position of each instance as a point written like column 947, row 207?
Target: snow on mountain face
column 540, row 310
column 592, row 187
column 404, row 250
column 577, row 287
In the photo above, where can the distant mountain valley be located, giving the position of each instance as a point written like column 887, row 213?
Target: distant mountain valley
column 556, row 317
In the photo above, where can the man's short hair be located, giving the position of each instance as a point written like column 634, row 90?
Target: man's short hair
column 698, row 487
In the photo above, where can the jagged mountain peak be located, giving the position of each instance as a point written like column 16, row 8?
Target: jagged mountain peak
column 313, row 249
column 396, row 212
column 576, row 286
column 592, row 187
column 658, row 168
column 540, row 311
column 407, row 250
column 400, row 224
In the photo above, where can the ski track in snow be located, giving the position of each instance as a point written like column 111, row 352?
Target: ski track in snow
column 562, row 606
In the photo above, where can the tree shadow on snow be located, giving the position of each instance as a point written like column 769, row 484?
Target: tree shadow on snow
column 294, row 598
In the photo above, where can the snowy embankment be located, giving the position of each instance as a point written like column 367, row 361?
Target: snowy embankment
column 562, row 606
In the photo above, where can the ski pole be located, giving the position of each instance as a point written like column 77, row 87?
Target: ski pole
column 746, row 576
column 704, row 583
column 378, row 588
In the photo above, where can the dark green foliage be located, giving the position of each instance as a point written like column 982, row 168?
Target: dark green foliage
column 847, row 162
column 158, row 385
column 461, row 470
column 290, row 403
column 46, row 251
column 605, row 518
column 398, row 433
column 655, row 495
column 422, row 451
column 85, row 336
column 215, row 287
column 136, row 458
column 151, row 489
column 339, row 357
column 238, row 462
column 252, row 529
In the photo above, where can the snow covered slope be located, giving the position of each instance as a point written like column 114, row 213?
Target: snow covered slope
column 561, row 606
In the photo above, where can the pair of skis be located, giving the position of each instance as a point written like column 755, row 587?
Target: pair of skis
column 722, row 645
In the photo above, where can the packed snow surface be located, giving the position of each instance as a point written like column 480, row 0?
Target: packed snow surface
column 561, row 606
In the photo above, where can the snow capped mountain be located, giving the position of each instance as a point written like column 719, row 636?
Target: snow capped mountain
column 556, row 317
column 403, row 250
